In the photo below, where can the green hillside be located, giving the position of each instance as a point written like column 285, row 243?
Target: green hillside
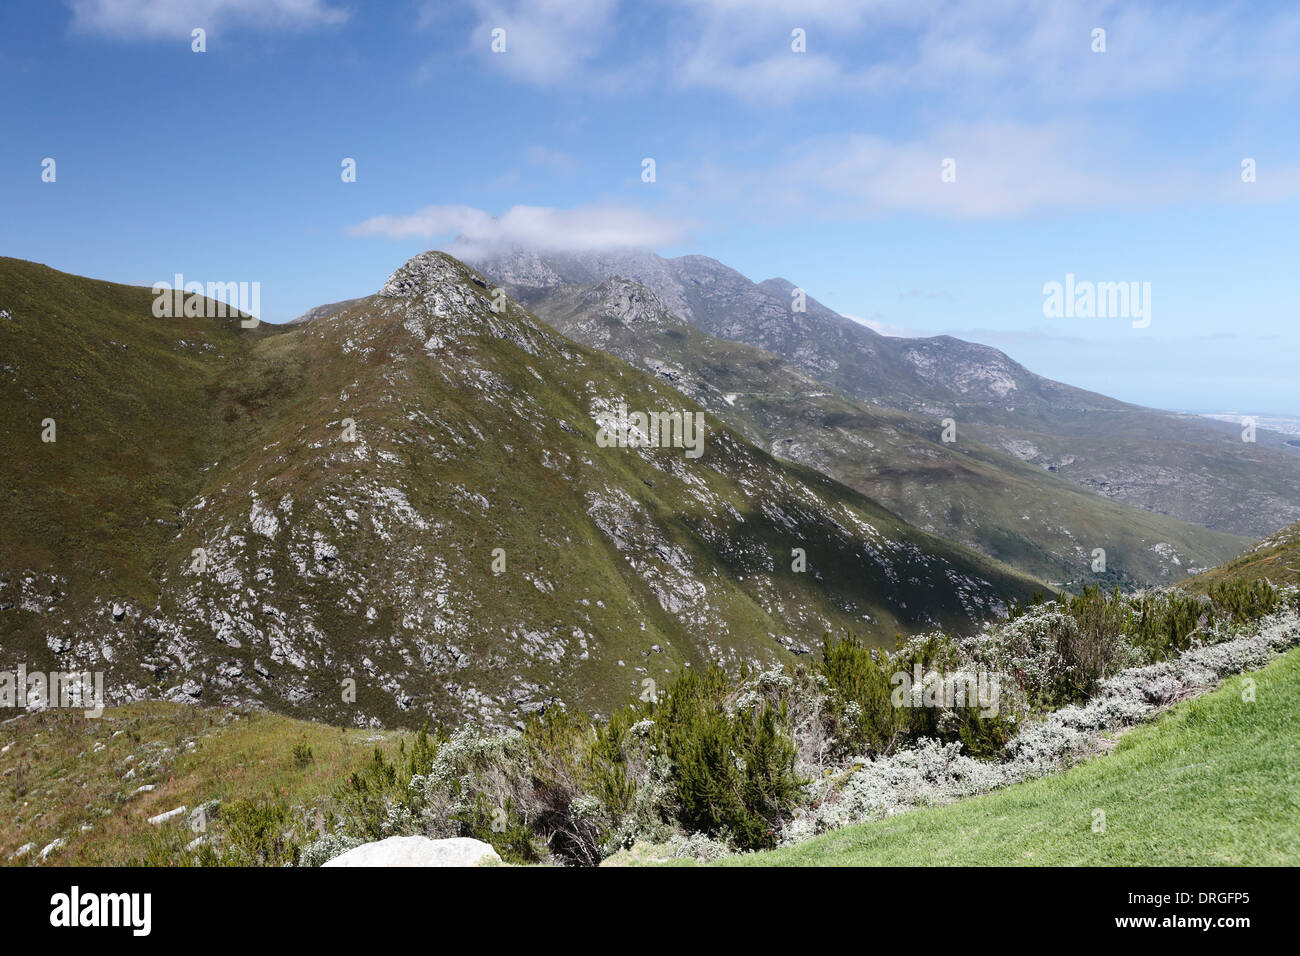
column 1275, row 559
column 400, row 512
column 139, row 416
column 964, row 491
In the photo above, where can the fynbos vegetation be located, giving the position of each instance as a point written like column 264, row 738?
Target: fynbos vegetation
column 716, row 763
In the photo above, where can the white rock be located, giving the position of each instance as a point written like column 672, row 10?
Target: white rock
column 418, row 851
column 169, row 815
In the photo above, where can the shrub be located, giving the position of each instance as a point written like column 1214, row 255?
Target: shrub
column 733, row 771
column 573, row 823
column 478, row 785
column 257, row 833
column 859, row 714
column 379, row 801
column 1245, row 601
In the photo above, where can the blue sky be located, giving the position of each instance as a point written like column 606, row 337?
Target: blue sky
column 823, row 166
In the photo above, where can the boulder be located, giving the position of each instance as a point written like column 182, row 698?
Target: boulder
column 418, row 851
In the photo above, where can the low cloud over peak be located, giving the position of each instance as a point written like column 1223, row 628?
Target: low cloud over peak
column 578, row 229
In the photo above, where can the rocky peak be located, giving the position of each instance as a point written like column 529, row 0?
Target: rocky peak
column 430, row 272
column 627, row 301
column 521, row 267
column 439, row 299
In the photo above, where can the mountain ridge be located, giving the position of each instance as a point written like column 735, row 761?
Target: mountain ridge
column 1186, row 467
column 354, row 479
column 980, row 497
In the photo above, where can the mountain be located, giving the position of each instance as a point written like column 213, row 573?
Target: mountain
column 403, row 510
column 1183, row 466
column 320, row 311
column 967, row 492
column 1276, row 559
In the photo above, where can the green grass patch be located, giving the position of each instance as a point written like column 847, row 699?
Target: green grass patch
column 63, row 772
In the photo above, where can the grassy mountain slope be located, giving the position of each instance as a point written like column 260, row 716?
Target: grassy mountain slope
column 349, row 482
column 94, row 783
column 1276, row 559
column 1183, row 466
column 138, row 421
column 1212, row 783
column 965, row 492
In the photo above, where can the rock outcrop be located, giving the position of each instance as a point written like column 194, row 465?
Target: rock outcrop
column 418, row 851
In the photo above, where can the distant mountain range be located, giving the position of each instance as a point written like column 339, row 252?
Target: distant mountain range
column 1182, row 466
column 963, row 491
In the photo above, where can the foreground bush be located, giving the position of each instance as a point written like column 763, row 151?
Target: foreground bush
column 742, row 763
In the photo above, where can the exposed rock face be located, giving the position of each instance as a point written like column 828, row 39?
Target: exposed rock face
column 418, row 851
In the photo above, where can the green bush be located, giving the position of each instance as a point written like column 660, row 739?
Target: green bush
column 369, row 798
column 1245, row 601
column 733, row 771
column 257, row 833
column 860, row 717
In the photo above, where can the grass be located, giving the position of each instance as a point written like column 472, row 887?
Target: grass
column 87, row 514
column 1276, row 558
column 1216, row 781
column 63, row 772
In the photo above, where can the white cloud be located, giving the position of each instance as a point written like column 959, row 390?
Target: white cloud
column 744, row 48
column 1024, row 51
column 577, row 229
column 876, row 324
column 547, row 41
column 1002, row 168
column 169, row 18
column 1021, row 50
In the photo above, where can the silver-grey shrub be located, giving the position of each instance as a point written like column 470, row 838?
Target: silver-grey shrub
column 932, row 773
